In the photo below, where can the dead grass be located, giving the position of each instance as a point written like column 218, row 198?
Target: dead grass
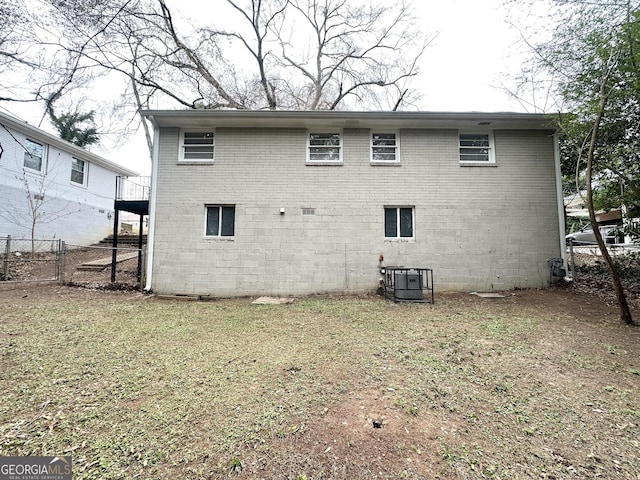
column 541, row 384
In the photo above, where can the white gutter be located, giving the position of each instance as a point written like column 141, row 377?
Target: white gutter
column 560, row 197
column 152, row 208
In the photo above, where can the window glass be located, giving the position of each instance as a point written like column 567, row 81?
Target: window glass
column 406, row 222
column 398, row 222
column 474, row 147
column 77, row 171
column 228, row 221
column 390, row 222
column 197, row 145
column 384, row 147
column 324, row 147
column 213, row 221
column 220, row 221
column 33, row 155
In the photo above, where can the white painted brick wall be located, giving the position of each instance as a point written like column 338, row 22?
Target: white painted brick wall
column 479, row 228
column 77, row 214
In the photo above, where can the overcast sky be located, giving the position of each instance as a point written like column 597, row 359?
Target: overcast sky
column 462, row 70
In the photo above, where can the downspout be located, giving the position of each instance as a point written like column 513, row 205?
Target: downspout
column 561, row 222
column 152, row 208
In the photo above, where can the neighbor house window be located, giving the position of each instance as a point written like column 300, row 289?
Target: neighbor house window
column 398, row 222
column 384, row 148
column 220, row 221
column 325, row 147
column 78, row 170
column 197, row 146
column 33, row 155
column 476, row 148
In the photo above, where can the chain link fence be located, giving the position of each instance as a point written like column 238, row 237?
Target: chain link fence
column 24, row 260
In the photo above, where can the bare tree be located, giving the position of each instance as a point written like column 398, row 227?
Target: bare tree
column 39, row 208
column 588, row 65
column 274, row 54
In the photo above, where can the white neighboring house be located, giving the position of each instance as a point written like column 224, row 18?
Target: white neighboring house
column 71, row 189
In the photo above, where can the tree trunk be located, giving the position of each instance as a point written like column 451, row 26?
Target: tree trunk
column 625, row 313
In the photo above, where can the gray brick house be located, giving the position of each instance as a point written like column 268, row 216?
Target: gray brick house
column 293, row 203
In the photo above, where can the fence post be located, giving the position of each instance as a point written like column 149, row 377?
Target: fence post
column 61, row 260
column 5, row 260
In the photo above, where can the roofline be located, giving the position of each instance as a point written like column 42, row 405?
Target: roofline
column 349, row 119
column 37, row 134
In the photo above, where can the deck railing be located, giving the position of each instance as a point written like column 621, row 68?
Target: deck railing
column 133, row 188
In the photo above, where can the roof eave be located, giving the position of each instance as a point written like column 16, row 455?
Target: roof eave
column 340, row 119
column 37, row 134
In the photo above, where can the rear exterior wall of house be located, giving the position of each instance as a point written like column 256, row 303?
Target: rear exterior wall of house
column 479, row 228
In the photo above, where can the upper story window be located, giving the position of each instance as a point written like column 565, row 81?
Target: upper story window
column 398, row 222
column 324, row 148
column 78, row 171
column 384, row 148
column 476, row 148
column 196, row 146
column 220, row 220
column 33, row 155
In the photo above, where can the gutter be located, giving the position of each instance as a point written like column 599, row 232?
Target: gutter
column 152, row 209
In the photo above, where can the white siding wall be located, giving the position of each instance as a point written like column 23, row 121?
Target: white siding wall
column 74, row 213
column 479, row 228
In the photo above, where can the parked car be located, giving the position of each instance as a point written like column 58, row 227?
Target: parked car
column 585, row 235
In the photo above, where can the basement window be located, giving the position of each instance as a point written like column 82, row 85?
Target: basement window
column 220, row 221
column 398, row 222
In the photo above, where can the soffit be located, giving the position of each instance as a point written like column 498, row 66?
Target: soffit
column 333, row 119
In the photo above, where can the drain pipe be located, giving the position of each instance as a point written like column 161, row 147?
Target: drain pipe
column 152, row 208
column 561, row 222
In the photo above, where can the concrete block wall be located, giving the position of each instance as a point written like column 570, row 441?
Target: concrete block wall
column 479, row 228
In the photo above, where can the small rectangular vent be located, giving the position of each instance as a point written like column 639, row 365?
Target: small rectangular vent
column 308, row 211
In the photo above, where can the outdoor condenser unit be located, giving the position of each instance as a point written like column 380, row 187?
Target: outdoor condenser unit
column 408, row 284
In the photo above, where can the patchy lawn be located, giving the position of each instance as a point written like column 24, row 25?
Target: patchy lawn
column 540, row 384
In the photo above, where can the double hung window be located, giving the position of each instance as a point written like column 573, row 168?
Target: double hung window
column 33, row 155
column 78, row 171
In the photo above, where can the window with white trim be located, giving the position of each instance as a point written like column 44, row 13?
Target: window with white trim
column 196, row 145
column 78, row 171
column 476, row 148
column 398, row 222
column 384, row 148
column 324, row 147
column 220, row 220
column 33, row 155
